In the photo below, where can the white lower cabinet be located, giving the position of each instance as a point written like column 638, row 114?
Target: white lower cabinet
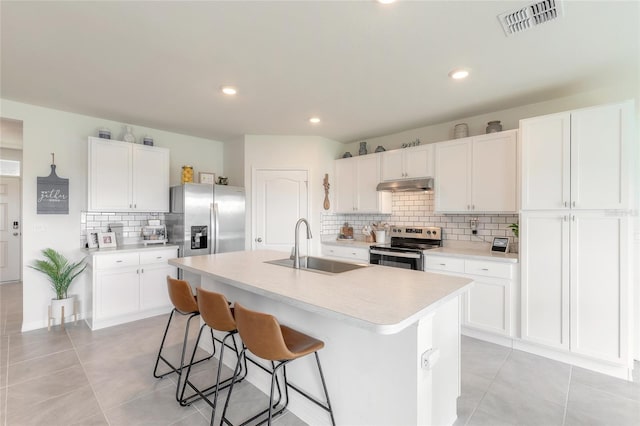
column 489, row 305
column 575, row 283
column 129, row 286
column 360, row 254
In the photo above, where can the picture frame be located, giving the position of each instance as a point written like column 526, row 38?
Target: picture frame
column 106, row 239
column 92, row 240
column 500, row 245
column 207, row 177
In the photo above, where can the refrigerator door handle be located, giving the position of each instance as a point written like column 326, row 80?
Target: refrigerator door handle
column 214, row 223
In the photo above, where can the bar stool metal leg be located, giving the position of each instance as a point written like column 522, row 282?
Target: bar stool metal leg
column 173, row 368
column 218, row 385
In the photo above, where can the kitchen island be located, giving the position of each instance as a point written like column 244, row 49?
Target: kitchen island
column 377, row 323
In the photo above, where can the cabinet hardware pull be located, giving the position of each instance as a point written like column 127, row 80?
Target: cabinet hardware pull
column 574, row 204
column 484, row 269
column 573, row 218
column 468, row 207
column 142, row 271
column 118, row 261
column 158, row 257
column 566, row 204
column 443, row 264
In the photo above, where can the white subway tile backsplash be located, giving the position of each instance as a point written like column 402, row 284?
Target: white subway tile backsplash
column 416, row 209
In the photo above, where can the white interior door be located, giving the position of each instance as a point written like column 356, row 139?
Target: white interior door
column 10, row 229
column 279, row 199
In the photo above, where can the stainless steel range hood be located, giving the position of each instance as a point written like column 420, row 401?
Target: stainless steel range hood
column 425, row 184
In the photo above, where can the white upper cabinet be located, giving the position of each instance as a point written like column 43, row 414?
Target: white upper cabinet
column 408, row 163
column 356, row 182
column 578, row 159
column 127, row 177
column 477, row 174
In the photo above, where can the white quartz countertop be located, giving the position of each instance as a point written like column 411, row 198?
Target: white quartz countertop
column 382, row 299
column 483, row 254
column 129, row 248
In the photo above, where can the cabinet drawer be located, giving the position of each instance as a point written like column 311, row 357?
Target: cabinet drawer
column 447, row 264
column 488, row 268
column 116, row 260
column 355, row 253
column 157, row 256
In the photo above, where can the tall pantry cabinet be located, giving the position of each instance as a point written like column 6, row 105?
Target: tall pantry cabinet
column 575, row 233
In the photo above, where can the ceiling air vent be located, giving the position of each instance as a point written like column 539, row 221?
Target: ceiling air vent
column 519, row 20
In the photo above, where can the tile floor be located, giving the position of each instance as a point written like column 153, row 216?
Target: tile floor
column 79, row 377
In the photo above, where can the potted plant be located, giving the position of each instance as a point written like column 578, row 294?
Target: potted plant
column 61, row 274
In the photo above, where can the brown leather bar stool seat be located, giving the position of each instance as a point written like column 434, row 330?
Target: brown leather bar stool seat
column 184, row 303
column 267, row 339
column 217, row 315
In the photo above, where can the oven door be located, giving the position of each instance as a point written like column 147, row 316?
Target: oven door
column 396, row 259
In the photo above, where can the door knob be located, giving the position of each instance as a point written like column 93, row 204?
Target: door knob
column 258, row 240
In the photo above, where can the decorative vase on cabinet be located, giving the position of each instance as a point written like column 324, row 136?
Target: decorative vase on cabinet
column 363, row 148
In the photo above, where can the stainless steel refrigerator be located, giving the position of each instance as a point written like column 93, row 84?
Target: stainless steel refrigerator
column 206, row 219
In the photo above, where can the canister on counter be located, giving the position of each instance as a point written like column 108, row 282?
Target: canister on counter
column 187, row 174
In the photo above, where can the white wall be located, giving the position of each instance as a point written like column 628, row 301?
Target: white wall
column 10, row 133
column 47, row 130
column 234, row 161
column 509, row 118
column 314, row 153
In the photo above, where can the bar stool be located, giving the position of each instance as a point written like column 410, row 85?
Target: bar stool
column 217, row 315
column 184, row 303
column 267, row 339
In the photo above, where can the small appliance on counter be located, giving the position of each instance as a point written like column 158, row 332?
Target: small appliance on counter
column 154, row 234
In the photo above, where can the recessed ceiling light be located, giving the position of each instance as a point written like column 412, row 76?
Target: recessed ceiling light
column 386, row 1
column 229, row 90
column 459, row 74
column 314, row 120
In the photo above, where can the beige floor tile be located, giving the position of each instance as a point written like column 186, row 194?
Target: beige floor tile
column 25, row 394
column 64, row 409
column 42, row 366
column 154, row 408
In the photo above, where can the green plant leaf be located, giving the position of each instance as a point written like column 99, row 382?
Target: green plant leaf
column 59, row 270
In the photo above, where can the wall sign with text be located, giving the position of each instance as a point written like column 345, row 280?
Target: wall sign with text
column 53, row 194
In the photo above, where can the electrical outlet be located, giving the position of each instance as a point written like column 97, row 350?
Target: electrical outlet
column 474, row 225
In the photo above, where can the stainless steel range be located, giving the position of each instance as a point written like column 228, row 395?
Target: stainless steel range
column 407, row 247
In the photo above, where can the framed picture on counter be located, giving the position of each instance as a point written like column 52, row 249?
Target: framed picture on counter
column 206, row 177
column 92, row 240
column 106, row 239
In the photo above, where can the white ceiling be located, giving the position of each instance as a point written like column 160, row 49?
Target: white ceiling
column 366, row 69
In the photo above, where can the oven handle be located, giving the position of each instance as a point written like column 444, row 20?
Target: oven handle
column 396, row 254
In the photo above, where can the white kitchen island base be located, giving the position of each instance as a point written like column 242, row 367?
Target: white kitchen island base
column 373, row 379
column 376, row 322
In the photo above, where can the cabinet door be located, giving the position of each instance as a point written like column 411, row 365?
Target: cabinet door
column 150, row 179
column 600, row 156
column 345, row 192
column 153, row 286
column 494, row 182
column 109, row 175
column 488, row 305
column 392, row 165
column 544, row 257
column 117, row 292
column 453, row 175
column 418, row 162
column 367, row 178
column 599, row 286
column 545, row 159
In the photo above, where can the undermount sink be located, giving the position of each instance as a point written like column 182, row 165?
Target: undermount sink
column 319, row 264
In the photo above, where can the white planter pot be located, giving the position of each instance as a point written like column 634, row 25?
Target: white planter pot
column 56, row 308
